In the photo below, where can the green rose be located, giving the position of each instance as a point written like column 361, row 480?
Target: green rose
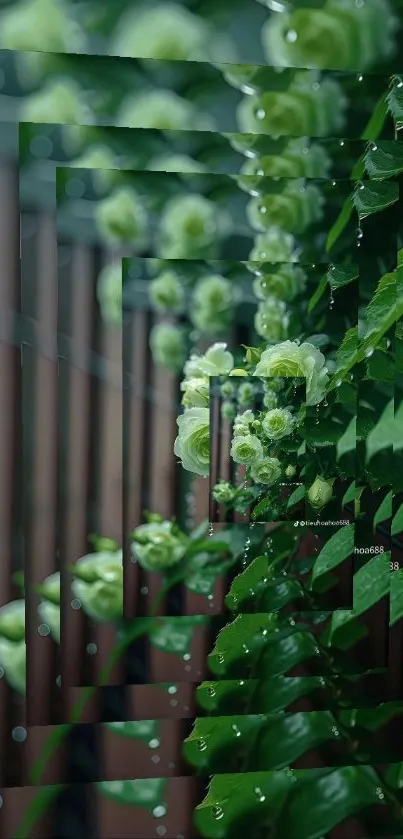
column 320, row 493
column 246, row 393
column 196, row 392
column 271, row 320
column 277, row 423
column 156, row 547
column 175, row 163
column 40, row 26
column 12, row 621
column 245, row 418
column 102, row 161
column 122, row 218
column 302, row 110
column 214, row 293
column 227, row 390
column 266, row 471
column 292, row 210
column 228, row 410
column 98, row 585
column 168, row 346
column 191, row 227
column 285, row 283
column 167, row 293
column 109, row 294
column 300, row 159
column 246, row 449
column 216, row 361
column 192, row 444
column 223, row 492
column 290, row 471
column 340, row 36
column 13, row 660
column 270, row 400
column 290, row 359
column 274, row 245
column 239, row 371
column 166, row 32
column 60, row 102
column 163, row 110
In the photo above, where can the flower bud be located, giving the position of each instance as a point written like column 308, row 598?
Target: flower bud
column 238, row 372
column 157, row 547
column 320, row 493
column 228, row 410
column 290, row 471
column 12, row 620
column 223, row 492
column 101, row 594
column 227, row 390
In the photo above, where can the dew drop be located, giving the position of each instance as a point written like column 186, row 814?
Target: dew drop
column 379, row 793
column 221, row 658
column 159, row 811
column 370, row 351
column 19, row 734
column 341, row 143
column 92, row 649
column 217, row 812
column 172, row 689
column 144, row 590
column 259, row 794
column 211, row 529
column 76, row 604
column 236, row 730
column 260, row 113
column 335, row 731
column 44, row 630
column 211, row 691
column 161, row 830
column 186, row 657
column 360, row 78
column 201, row 744
column 154, row 743
column 291, row 36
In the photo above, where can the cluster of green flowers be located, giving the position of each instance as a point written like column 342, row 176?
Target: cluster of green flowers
column 209, row 303
column 159, row 545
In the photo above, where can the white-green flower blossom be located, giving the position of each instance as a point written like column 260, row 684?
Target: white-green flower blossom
column 191, row 227
column 290, row 471
column 227, row 390
column 168, row 346
column 121, row 218
column 246, row 392
column 223, row 492
column 12, row 620
column 164, row 32
column 270, row 400
column 180, row 163
column 163, row 110
column 277, row 423
column 192, row 444
column 245, row 450
column 285, row 283
column 156, row 547
column 320, row 493
column 196, row 392
column 167, row 292
column 216, row 361
column 228, row 410
column 13, row 660
column 274, row 245
column 40, row 26
column 266, row 471
column 102, row 161
column 99, row 585
column 290, row 359
column 109, row 293
column 272, row 319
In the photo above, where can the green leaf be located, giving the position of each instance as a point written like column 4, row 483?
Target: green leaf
column 380, row 367
column 370, row 584
column 346, row 355
column 349, row 495
column 336, row 550
column 175, row 635
column 202, row 579
column 384, row 511
column 210, row 545
column 219, row 742
column 279, row 657
column 384, row 160
column 296, row 496
column 290, row 736
column 340, row 224
column 384, row 435
column 233, row 800
column 316, row 806
column 373, row 197
column 222, row 697
column 250, row 583
column 144, row 792
column 396, row 596
column 242, row 640
column 318, row 294
column 395, row 101
column 339, row 276
column 397, row 522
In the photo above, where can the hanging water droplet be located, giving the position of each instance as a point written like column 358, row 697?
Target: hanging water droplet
column 172, row 689
column 43, row 630
column 159, row 811
column 144, row 590
column 236, row 730
column 341, row 143
column 76, row 604
column 211, row 691
column 291, row 36
column 19, row 734
column 186, row 657
column 221, row 658
column 331, row 300
column 259, row 794
column 370, row 351
column 260, row 113
column 217, row 812
column 92, row 649
column 161, row 830
column 360, row 78
column 379, row 793
column 154, row 743
column 201, row 744
column 335, row 731
column 211, row 529
column 245, row 649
